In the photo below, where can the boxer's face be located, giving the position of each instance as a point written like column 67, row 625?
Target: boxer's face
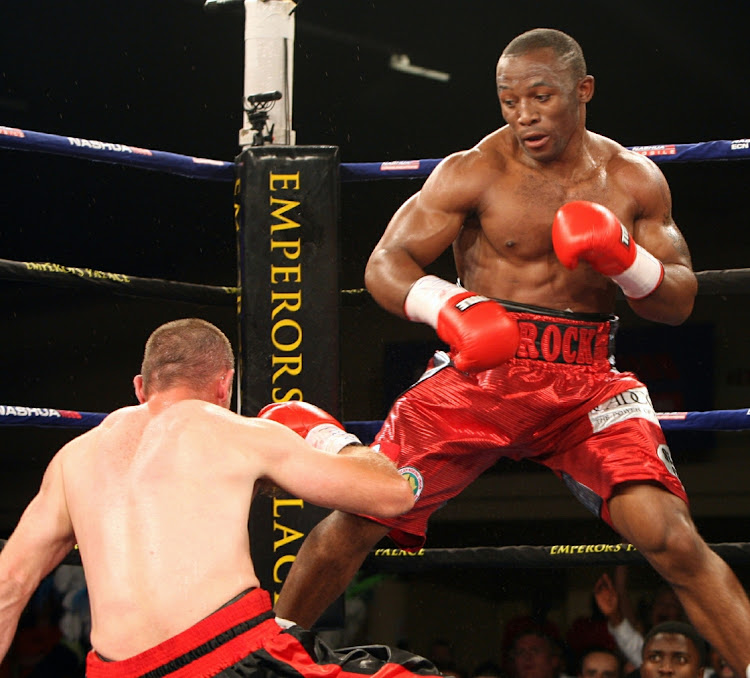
column 542, row 102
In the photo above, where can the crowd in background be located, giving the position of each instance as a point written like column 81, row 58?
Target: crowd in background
column 52, row 638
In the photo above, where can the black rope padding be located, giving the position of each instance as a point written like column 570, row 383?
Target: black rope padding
column 396, row 560
column 540, row 557
column 69, row 276
column 725, row 281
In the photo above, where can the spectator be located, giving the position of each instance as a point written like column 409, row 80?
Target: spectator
column 600, row 663
column 673, row 649
column 535, row 654
column 621, row 622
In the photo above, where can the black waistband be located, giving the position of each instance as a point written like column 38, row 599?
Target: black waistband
column 553, row 313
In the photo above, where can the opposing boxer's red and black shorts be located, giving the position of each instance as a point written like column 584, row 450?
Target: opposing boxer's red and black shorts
column 242, row 639
column 560, row 401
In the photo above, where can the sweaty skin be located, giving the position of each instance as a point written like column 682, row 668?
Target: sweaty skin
column 157, row 497
column 494, row 205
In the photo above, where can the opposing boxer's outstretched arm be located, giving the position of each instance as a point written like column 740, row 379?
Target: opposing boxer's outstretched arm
column 361, row 481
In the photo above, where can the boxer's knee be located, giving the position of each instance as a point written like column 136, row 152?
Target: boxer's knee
column 659, row 525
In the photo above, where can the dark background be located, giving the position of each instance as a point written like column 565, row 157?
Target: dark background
column 167, row 75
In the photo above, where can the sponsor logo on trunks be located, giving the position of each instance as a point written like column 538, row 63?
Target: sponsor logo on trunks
column 740, row 145
column 562, row 343
column 415, row 480
column 632, row 404
column 666, row 456
column 467, row 303
column 669, row 149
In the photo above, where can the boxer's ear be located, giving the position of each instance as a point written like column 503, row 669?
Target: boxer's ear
column 138, row 386
column 585, row 89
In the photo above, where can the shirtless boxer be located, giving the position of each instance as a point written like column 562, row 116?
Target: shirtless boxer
column 549, row 218
column 157, row 497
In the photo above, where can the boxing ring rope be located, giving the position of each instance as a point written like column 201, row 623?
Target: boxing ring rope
column 118, row 283
column 709, row 282
column 45, row 417
column 220, row 170
column 734, row 281
column 398, row 561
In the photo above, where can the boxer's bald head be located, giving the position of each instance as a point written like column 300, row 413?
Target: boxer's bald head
column 565, row 48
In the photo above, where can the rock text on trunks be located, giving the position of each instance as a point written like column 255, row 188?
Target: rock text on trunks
column 554, row 342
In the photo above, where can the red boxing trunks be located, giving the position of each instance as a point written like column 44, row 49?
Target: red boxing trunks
column 560, row 401
column 242, row 638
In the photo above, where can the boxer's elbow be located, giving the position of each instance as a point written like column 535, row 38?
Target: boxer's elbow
column 399, row 499
column 673, row 301
column 374, row 270
column 667, row 313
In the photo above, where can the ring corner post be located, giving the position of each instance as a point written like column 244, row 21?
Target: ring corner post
column 287, row 211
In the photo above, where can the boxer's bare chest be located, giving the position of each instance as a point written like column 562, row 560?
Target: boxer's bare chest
column 517, row 209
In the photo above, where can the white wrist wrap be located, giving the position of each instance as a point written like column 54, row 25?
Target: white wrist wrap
column 642, row 277
column 330, row 438
column 426, row 297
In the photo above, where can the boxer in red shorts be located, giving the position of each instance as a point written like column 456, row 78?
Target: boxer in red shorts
column 545, row 214
column 558, row 401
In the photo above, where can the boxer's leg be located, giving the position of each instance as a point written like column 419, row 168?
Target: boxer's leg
column 659, row 525
column 326, row 562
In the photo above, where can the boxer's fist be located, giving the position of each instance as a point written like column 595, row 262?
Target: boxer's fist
column 589, row 231
column 314, row 424
column 479, row 330
column 298, row 415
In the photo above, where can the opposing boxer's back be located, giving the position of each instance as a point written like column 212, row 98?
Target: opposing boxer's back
column 159, row 503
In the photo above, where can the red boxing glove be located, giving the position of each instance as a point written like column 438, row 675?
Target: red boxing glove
column 315, row 425
column 479, row 330
column 589, row 231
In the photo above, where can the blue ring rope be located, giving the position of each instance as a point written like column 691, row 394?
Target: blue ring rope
column 45, row 417
column 220, row 170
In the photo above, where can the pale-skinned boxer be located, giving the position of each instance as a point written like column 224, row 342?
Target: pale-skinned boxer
column 158, row 496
